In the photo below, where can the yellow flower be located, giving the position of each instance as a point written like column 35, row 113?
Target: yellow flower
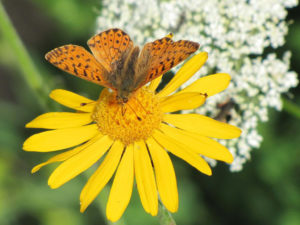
column 136, row 138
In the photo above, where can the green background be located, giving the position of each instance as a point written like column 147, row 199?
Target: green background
column 266, row 191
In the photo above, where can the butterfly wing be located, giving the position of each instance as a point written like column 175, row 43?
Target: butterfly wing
column 109, row 47
column 79, row 62
column 161, row 55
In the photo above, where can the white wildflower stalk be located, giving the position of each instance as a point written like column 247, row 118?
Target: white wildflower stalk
column 235, row 33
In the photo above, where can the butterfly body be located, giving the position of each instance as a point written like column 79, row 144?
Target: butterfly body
column 119, row 65
column 124, row 77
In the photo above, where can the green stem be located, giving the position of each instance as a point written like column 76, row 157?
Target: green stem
column 291, row 108
column 28, row 70
column 164, row 216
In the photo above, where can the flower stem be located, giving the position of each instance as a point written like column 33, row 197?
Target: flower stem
column 291, row 108
column 164, row 216
column 28, row 70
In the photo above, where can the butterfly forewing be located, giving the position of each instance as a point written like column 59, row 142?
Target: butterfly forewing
column 165, row 54
column 79, row 62
column 109, row 46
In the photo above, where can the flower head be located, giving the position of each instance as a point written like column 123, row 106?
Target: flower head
column 241, row 36
column 135, row 138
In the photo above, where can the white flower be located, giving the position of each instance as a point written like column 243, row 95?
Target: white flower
column 235, row 33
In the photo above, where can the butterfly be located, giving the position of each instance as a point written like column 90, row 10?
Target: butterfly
column 118, row 64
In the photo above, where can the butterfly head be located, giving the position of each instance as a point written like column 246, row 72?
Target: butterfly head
column 122, row 100
column 122, row 97
column 124, row 92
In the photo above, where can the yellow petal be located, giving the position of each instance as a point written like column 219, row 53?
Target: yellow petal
column 199, row 144
column 203, row 125
column 182, row 151
column 209, row 85
column 59, row 120
column 102, row 175
column 80, row 162
column 59, row 158
column 145, row 179
column 121, row 189
column 169, row 35
column 165, row 175
column 188, row 100
column 54, row 140
column 72, row 100
column 184, row 73
column 154, row 84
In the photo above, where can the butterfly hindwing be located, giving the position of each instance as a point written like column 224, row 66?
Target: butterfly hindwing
column 109, row 46
column 79, row 62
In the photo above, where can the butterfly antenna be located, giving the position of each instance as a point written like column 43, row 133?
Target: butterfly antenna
column 139, row 118
column 137, row 100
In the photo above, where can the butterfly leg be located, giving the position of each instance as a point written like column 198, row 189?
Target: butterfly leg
column 124, row 109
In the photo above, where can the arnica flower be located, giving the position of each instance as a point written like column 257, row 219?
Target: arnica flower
column 134, row 139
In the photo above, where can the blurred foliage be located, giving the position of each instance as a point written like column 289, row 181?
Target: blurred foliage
column 265, row 192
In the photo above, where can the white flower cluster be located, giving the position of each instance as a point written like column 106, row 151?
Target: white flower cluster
column 236, row 34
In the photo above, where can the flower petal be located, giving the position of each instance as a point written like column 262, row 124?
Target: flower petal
column 72, row 100
column 80, row 162
column 188, row 100
column 145, row 179
column 182, row 151
column 209, row 85
column 54, row 140
column 184, row 73
column 199, row 144
column 59, row 120
column 203, row 125
column 102, row 175
column 165, row 175
column 154, row 83
column 59, row 158
column 121, row 189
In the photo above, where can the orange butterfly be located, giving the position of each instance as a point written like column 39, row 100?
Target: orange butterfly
column 117, row 64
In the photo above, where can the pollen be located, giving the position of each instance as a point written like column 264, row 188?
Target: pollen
column 128, row 122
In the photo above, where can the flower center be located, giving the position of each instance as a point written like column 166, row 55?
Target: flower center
column 131, row 121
